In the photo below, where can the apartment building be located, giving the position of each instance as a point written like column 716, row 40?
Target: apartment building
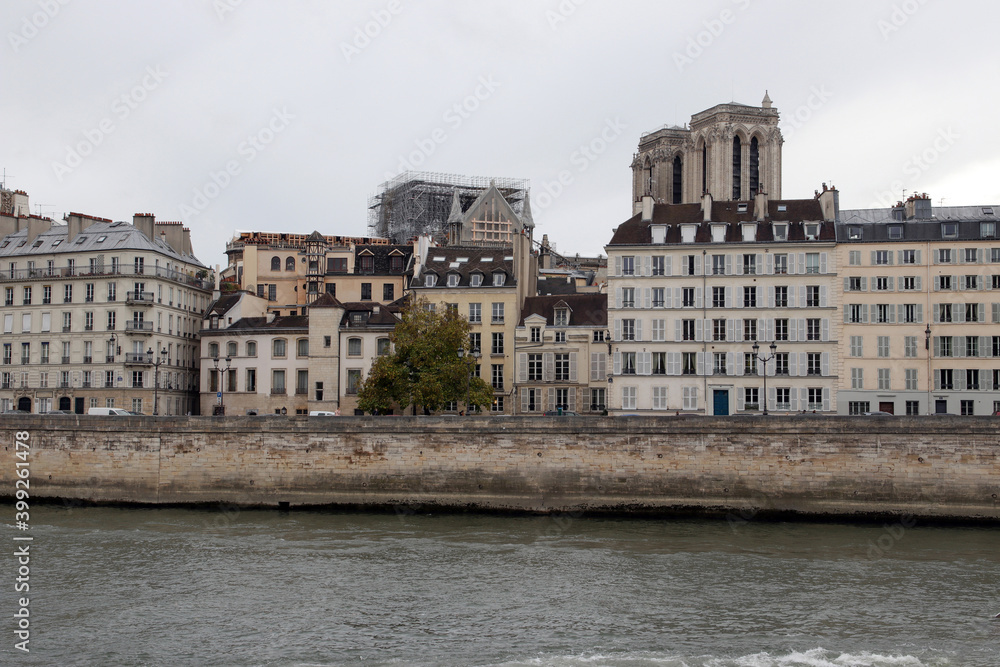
column 99, row 314
column 693, row 286
column 561, row 351
column 921, row 300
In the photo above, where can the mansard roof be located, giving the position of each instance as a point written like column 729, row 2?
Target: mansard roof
column 917, row 231
column 383, row 255
column 795, row 212
column 588, row 309
column 467, row 260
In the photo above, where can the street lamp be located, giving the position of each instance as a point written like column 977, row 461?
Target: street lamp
column 115, row 348
column 157, row 362
column 609, row 369
column 930, row 379
column 468, row 378
column 764, row 360
column 220, row 409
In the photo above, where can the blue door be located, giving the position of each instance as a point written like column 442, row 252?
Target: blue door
column 721, row 402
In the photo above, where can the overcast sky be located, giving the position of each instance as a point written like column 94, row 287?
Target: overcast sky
column 113, row 107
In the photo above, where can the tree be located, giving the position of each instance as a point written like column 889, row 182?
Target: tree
column 424, row 368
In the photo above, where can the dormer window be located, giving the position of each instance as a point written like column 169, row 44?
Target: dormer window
column 749, row 232
column 452, row 280
column 561, row 317
column 987, row 230
column 812, row 230
column 780, row 232
column 476, row 279
column 782, row 208
column 741, row 208
column 718, row 233
column 895, row 232
column 430, row 280
column 949, row 230
column 659, row 233
column 854, row 233
column 688, row 232
column 499, row 279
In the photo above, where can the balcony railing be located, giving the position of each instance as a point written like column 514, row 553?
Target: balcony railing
column 25, row 361
column 138, row 359
column 86, row 272
column 88, row 360
column 139, row 298
column 139, row 327
column 65, row 360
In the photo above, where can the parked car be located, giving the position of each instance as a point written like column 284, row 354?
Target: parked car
column 878, row 413
column 560, row 413
column 109, row 412
column 58, row 412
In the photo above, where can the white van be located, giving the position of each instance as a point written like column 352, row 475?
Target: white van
column 114, row 412
column 323, row 413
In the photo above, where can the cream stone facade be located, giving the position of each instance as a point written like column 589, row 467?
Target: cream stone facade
column 921, row 301
column 561, row 354
column 731, row 151
column 692, row 287
column 100, row 314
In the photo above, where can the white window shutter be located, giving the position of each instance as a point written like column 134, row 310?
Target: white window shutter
column 740, row 401
column 678, row 301
column 801, row 261
column 729, row 265
column 731, row 330
column 678, row 334
column 825, row 364
column 793, row 399
column 701, row 363
column 793, row 331
column 551, row 402
column 618, row 266
column 793, row 366
column 668, row 268
column 647, row 298
column 770, row 296
column 729, row 297
column 638, row 330
column 698, row 329
column 772, row 396
column 802, row 329
column 760, row 296
column 699, row 295
column 769, row 266
column 618, row 329
column 667, row 301
column 826, row 399
column 738, row 267
column 825, row 327
column 524, row 399
column 571, row 406
column 920, row 313
column 697, row 265
column 730, row 363
column 617, row 363
column 646, row 266
column 823, row 262
column 618, row 298
column 572, row 367
column 522, row 367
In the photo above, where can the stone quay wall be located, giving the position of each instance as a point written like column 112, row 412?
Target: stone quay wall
column 946, row 467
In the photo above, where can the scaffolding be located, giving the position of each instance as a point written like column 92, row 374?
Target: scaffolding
column 416, row 203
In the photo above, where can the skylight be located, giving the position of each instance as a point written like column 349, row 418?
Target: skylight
column 438, row 259
column 56, row 242
column 101, row 239
column 509, row 258
column 485, row 259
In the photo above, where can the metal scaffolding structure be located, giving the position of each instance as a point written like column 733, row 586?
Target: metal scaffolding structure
column 416, row 203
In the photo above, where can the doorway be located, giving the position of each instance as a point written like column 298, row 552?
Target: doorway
column 24, row 404
column 887, row 406
column 720, row 402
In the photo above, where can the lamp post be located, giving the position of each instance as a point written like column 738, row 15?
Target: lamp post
column 764, row 360
column 930, row 379
column 221, row 408
column 157, row 362
column 475, row 353
column 609, row 368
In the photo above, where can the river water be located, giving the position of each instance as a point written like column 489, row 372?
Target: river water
column 230, row 587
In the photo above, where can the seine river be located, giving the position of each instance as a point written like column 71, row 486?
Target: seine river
column 310, row 589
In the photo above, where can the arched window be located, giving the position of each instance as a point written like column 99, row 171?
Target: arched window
column 290, row 264
column 251, row 348
column 737, row 168
column 678, row 181
column 231, row 349
column 276, row 264
column 754, row 167
column 213, row 350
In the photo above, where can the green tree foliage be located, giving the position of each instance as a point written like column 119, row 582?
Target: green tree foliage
column 424, row 368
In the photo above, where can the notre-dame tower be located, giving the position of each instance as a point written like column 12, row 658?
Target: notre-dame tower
column 731, row 151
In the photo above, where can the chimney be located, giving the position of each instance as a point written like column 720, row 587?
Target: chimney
column 706, row 207
column 919, row 207
column 185, row 248
column 647, row 208
column 829, row 202
column 270, row 316
column 760, row 206
column 38, row 226
column 76, row 223
column 144, row 222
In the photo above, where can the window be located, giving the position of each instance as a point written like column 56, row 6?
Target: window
column 497, row 313
column 659, row 266
column 289, row 264
column 26, row 296
column 560, row 336
column 718, row 297
column 781, row 329
column 628, row 297
column 856, row 313
column 781, row 363
column 658, row 297
column 276, row 264
column 907, row 256
column 857, row 378
column 354, row 347
column 453, row 279
column 895, row 232
column 687, row 330
column 353, row 380
column 910, row 315
column 688, row 297
column 388, row 291
column 499, row 279
column 780, row 232
column 690, row 263
column 475, row 313
column 883, row 313
column 597, row 401
column 882, row 283
column 251, row 348
column 430, row 280
column 534, row 368
column 561, row 317
column 908, row 283
column 301, row 382
column 719, row 329
column 967, row 407
column 813, row 328
column 973, row 313
column 476, row 279
column 944, row 312
column 944, row 255
column 944, row 282
column 972, row 346
column 858, row 407
column 251, row 380
column 944, row 346
column 689, row 363
column 884, row 383
column 278, row 348
column 562, row 367
column 749, row 330
column 628, row 363
column 812, row 262
column 972, row 379
column 881, row 257
column 949, row 230
column 782, row 398
column 476, row 341
column 812, row 296
column 970, row 282
column 628, row 329
column 750, row 264
column 628, row 265
column 814, row 363
column 659, row 363
column 497, row 347
column 749, row 363
column 749, row 297
column 854, row 233
column 854, row 258
column 855, row 284
column 718, row 363
column 628, row 398
column 910, row 375
column 945, row 378
column 366, row 291
column 302, row 347
column 882, row 346
column 9, row 296
column 536, row 334
column 910, row 346
column 751, row 398
column 718, row 265
column 496, row 373
column 781, row 296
